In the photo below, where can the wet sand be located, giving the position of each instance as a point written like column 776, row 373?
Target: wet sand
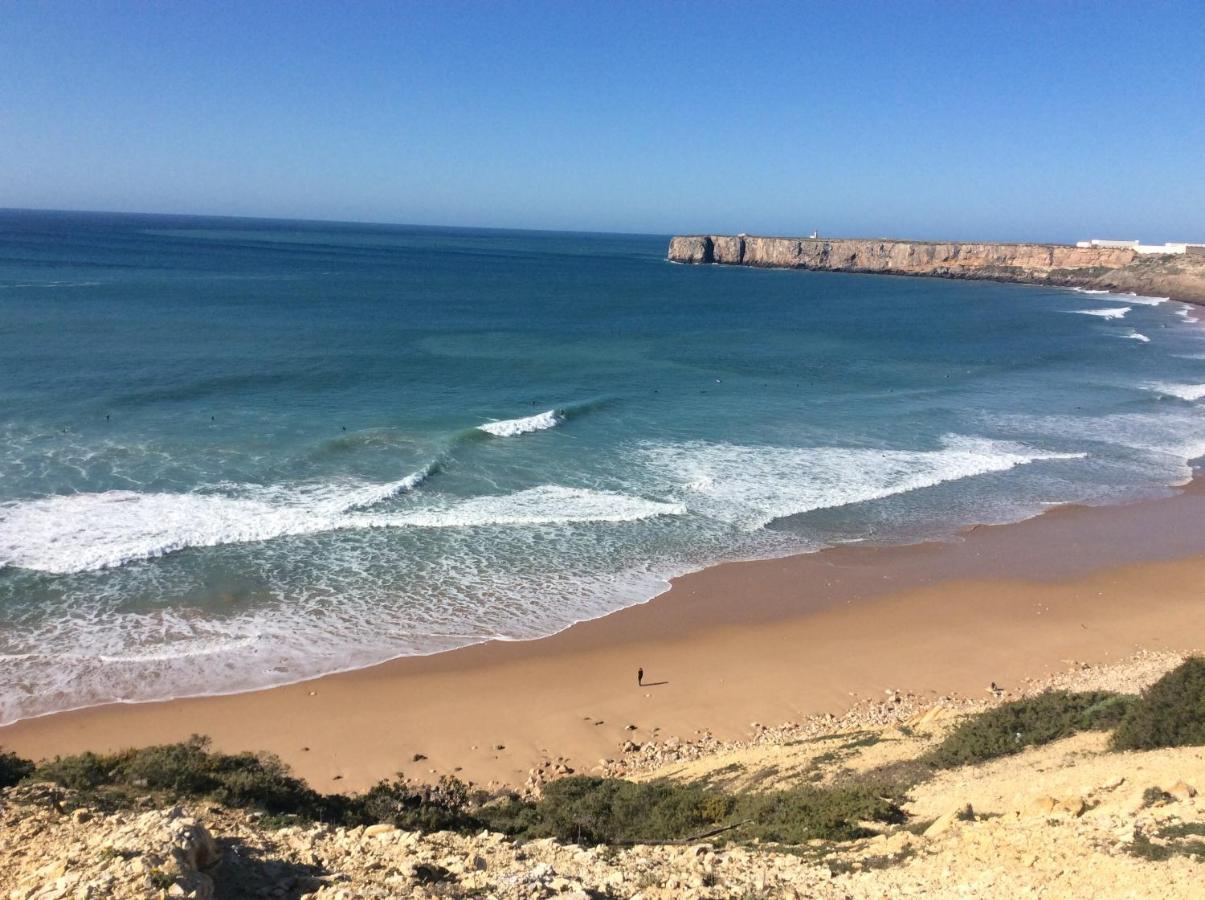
column 766, row 641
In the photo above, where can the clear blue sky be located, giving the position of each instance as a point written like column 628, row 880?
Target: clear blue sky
column 992, row 120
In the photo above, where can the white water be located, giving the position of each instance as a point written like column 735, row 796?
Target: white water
column 752, row 486
column 513, row 427
column 1189, row 392
column 85, row 532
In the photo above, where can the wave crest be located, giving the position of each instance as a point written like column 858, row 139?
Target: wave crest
column 85, row 532
column 752, row 486
column 1189, row 392
column 512, row 427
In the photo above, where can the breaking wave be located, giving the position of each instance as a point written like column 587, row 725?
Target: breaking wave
column 1189, row 392
column 752, row 486
column 1117, row 312
column 526, row 425
column 85, row 532
column 1141, row 300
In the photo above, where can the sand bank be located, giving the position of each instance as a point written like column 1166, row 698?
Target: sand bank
column 766, row 641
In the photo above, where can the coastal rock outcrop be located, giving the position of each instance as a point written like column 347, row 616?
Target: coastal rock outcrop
column 1180, row 277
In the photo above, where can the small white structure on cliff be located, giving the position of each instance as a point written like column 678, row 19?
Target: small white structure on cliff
column 1120, row 245
column 1138, row 246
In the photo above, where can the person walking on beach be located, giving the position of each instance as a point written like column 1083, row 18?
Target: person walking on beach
column 640, row 677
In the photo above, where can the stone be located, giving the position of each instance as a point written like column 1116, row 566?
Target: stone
column 1040, row 806
column 1072, row 806
column 1181, row 790
column 943, row 823
column 380, row 829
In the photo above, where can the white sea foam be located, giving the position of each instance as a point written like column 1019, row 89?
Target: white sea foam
column 751, row 486
column 1116, row 312
column 1122, row 298
column 512, row 427
column 1143, row 301
column 543, row 505
column 1137, row 336
column 84, row 532
column 1165, row 440
column 1189, row 392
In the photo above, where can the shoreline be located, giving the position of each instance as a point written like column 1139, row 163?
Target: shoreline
column 810, row 634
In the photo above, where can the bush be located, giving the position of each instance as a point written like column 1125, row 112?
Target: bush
column 606, row 810
column 190, row 770
column 82, row 772
column 589, row 810
column 440, row 807
column 1170, row 713
column 13, row 768
column 578, row 809
column 807, row 813
column 1012, row 727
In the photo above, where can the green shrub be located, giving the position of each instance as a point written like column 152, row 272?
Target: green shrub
column 440, row 807
column 1170, row 713
column 1012, row 727
column 590, row 810
column 81, row 772
column 808, row 813
column 190, row 770
column 579, row 809
column 606, row 810
column 13, row 768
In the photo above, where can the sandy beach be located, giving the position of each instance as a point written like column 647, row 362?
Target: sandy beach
column 765, row 641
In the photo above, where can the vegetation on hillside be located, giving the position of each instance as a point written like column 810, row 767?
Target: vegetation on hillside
column 1033, row 721
column 614, row 811
column 1170, row 713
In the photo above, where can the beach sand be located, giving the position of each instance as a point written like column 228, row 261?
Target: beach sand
column 766, row 641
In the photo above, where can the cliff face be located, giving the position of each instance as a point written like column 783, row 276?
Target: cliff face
column 1180, row 277
column 906, row 257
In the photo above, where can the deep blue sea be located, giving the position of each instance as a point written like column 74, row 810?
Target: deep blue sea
column 236, row 453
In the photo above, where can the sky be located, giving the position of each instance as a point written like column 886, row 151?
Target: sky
column 959, row 119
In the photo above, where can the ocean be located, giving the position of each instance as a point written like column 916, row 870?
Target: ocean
column 237, row 453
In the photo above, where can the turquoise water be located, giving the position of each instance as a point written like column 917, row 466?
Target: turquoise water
column 235, row 453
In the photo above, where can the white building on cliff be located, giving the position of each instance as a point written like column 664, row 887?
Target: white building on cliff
column 1146, row 249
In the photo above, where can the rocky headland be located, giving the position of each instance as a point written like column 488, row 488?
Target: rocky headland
column 1180, row 277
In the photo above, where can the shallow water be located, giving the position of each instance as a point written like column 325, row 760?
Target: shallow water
column 236, row 453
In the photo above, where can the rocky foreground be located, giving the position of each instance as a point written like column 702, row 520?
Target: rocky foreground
column 1180, row 277
column 1069, row 819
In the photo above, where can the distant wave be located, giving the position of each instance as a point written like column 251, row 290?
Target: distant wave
column 84, row 532
column 1189, row 392
column 1141, row 300
column 526, row 425
column 550, row 418
column 1121, row 298
column 1185, row 312
column 1117, row 312
column 1137, row 336
column 51, row 284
